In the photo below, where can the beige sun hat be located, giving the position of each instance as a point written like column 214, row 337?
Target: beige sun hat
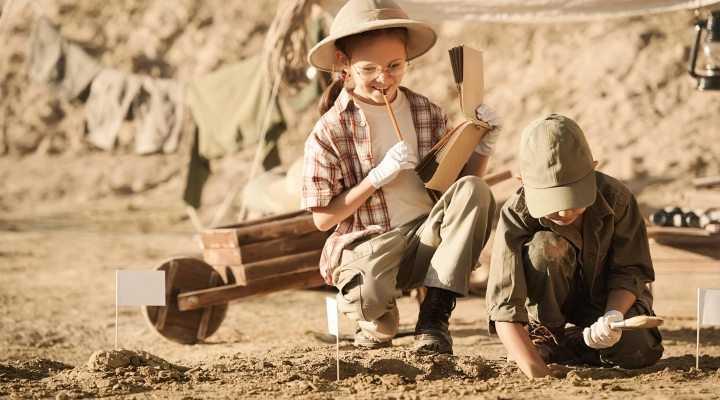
column 283, row 195
column 358, row 16
column 556, row 166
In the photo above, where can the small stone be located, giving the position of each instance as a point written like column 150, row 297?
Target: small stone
column 103, row 383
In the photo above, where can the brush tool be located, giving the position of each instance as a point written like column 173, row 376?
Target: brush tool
column 639, row 322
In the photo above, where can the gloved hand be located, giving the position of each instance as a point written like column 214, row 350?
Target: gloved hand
column 599, row 335
column 398, row 158
column 491, row 117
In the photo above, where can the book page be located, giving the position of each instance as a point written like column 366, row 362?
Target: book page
column 467, row 66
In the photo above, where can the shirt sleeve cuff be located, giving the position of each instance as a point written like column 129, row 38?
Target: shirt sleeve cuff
column 317, row 199
column 631, row 284
column 505, row 313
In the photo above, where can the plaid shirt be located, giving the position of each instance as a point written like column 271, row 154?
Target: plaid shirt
column 338, row 155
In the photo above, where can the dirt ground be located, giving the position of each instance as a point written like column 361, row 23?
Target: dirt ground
column 58, row 335
column 70, row 215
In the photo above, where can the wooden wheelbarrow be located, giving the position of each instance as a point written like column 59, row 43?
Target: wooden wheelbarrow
column 245, row 260
column 240, row 261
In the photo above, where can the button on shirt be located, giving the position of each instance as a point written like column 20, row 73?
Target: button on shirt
column 613, row 251
column 338, row 155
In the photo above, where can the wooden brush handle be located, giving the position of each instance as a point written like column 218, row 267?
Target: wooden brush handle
column 639, row 322
column 392, row 117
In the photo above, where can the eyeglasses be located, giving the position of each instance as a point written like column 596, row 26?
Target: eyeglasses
column 372, row 71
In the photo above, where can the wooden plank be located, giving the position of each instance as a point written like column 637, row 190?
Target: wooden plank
column 687, row 267
column 702, row 199
column 282, row 266
column 284, row 228
column 267, row 269
column 706, row 181
column 662, row 253
column 675, row 236
column 258, row 232
column 219, row 239
column 221, row 295
column 232, row 274
column 497, row 178
column 222, row 257
column 655, row 231
column 682, row 240
column 202, row 331
column 282, row 246
column 265, row 220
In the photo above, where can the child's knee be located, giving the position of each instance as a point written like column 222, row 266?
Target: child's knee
column 636, row 349
column 548, row 250
column 362, row 300
column 477, row 191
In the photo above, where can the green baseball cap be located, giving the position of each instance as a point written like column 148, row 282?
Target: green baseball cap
column 556, row 166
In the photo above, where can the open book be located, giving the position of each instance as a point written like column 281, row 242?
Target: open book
column 442, row 165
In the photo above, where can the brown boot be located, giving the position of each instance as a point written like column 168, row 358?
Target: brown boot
column 432, row 332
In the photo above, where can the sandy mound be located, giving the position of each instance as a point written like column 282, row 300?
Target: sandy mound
column 311, row 373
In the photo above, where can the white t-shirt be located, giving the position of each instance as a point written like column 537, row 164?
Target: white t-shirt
column 405, row 195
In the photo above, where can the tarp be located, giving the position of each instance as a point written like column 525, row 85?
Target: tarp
column 531, row 10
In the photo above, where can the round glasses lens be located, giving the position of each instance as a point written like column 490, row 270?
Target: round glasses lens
column 370, row 72
column 399, row 68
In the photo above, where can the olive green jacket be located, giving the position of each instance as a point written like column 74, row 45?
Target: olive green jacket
column 613, row 252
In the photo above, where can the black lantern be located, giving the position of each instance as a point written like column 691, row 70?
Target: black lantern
column 711, row 50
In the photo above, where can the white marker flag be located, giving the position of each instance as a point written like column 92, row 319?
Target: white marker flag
column 708, row 306
column 332, row 314
column 140, row 288
column 334, row 328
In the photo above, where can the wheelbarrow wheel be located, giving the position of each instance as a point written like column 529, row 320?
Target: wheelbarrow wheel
column 186, row 274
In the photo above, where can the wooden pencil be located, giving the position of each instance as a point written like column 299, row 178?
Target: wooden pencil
column 392, row 117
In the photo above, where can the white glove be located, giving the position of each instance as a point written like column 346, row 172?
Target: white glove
column 488, row 115
column 599, row 335
column 398, row 158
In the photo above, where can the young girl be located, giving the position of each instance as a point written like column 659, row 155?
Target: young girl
column 390, row 235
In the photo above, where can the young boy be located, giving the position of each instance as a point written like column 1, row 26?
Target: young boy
column 570, row 247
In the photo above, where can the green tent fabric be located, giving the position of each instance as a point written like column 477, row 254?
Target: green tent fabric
column 198, row 173
column 229, row 107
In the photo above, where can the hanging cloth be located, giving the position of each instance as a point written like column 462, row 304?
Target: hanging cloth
column 58, row 63
column 111, row 94
column 158, row 112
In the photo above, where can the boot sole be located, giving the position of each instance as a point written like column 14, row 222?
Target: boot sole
column 374, row 346
column 423, row 342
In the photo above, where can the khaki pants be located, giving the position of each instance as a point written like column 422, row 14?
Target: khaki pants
column 555, row 297
column 439, row 250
